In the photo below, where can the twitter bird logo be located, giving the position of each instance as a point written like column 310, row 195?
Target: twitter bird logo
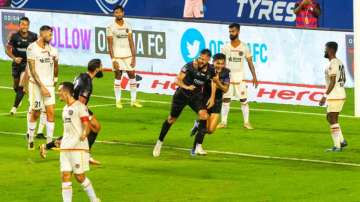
column 192, row 42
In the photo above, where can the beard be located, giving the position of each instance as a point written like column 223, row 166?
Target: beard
column 233, row 37
column 118, row 18
column 326, row 55
column 99, row 74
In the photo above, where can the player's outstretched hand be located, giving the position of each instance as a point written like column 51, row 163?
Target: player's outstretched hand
column 83, row 137
column 17, row 60
column 45, row 92
column 322, row 101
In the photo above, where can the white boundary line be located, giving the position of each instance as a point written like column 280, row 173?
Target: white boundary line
column 237, row 108
column 239, row 154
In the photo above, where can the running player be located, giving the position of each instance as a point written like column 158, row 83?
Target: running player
column 222, row 81
column 74, row 148
column 335, row 95
column 236, row 52
column 82, row 92
column 42, row 60
column 16, row 50
column 123, row 55
column 191, row 81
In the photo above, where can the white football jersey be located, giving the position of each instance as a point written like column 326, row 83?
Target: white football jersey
column 336, row 68
column 73, row 116
column 235, row 57
column 120, row 34
column 44, row 62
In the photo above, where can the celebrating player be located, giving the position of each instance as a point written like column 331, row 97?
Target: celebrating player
column 16, row 50
column 74, row 148
column 335, row 95
column 42, row 59
column 123, row 55
column 82, row 92
column 191, row 81
column 236, row 52
column 222, row 81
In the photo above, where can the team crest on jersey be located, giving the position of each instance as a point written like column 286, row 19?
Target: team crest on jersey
column 107, row 6
column 241, row 53
column 70, row 112
column 10, row 24
column 77, row 166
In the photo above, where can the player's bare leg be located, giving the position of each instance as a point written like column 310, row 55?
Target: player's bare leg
column 50, row 122
column 117, row 88
column 87, row 187
column 212, row 123
column 246, row 112
column 336, row 133
column 34, row 115
column 199, row 138
column 133, row 88
column 95, row 129
column 164, row 130
column 224, row 112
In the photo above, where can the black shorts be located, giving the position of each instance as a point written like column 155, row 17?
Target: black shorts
column 182, row 99
column 216, row 109
column 18, row 69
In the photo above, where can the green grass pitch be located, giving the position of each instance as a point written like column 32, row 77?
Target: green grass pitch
column 130, row 173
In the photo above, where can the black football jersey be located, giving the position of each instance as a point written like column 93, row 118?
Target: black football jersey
column 224, row 77
column 83, row 87
column 196, row 77
column 20, row 44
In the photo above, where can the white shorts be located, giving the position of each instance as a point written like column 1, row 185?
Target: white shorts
column 124, row 64
column 335, row 105
column 237, row 91
column 193, row 9
column 37, row 101
column 74, row 161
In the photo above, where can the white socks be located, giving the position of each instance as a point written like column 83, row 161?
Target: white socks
column 49, row 131
column 336, row 135
column 117, row 89
column 67, row 191
column 31, row 130
column 245, row 111
column 42, row 123
column 225, row 112
column 133, row 87
column 88, row 188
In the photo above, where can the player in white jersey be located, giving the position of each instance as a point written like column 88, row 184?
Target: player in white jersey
column 236, row 53
column 74, row 147
column 335, row 95
column 123, row 55
column 43, row 66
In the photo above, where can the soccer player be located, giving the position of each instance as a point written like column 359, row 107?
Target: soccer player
column 42, row 60
column 236, row 52
column 123, row 55
column 16, row 50
column 74, row 148
column 82, row 92
column 222, row 81
column 191, row 81
column 335, row 95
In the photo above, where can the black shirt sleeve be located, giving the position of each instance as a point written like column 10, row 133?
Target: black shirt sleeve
column 12, row 40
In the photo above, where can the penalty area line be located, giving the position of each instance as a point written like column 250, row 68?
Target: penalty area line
column 227, row 153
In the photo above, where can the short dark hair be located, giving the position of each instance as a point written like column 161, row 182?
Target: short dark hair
column 45, row 28
column 332, row 45
column 206, row 52
column 118, row 7
column 94, row 64
column 219, row 56
column 235, row 25
column 24, row 19
column 68, row 86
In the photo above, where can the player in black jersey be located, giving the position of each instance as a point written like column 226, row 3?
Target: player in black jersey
column 16, row 50
column 82, row 91
column 222, row 81
column 192, row 79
